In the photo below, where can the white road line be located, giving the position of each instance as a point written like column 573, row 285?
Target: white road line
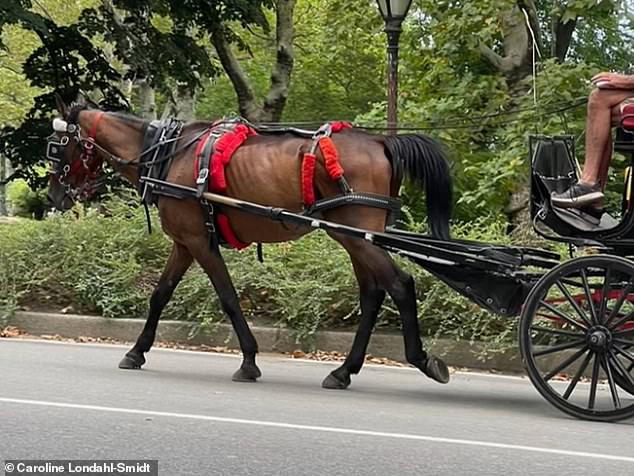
column 326, row 429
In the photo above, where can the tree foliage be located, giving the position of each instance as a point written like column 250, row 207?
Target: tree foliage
column 468, row 63
column 465, row 65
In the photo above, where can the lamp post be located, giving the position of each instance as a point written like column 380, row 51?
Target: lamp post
column 393, row 12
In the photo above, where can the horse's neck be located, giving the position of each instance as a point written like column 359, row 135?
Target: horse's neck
column 120, row 138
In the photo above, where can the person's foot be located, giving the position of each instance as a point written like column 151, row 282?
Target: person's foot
column 578, row 196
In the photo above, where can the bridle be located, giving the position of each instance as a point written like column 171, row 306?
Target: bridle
column 87, row 165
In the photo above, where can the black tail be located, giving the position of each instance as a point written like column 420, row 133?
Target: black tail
column 423, row 160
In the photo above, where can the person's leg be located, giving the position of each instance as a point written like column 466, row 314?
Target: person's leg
column 607, row 155
column 602, row 105
column 598, row 132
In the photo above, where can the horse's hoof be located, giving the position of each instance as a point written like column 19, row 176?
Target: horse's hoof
column 132, row 361
column 436, row 369
column 247, row 374
column 332, row 382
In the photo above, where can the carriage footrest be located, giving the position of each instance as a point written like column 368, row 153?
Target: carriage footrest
column 584, row 222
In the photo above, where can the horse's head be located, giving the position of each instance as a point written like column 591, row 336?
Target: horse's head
column 75, row 165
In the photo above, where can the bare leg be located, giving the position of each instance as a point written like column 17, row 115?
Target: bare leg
column 177, row 264
column 607, row 157
column 601, row 105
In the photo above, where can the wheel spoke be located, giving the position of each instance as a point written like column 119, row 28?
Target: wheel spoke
column 623, row 333
column 588, row 293
column 625, row 373
column 624, row 342
column 625, row 318
column 595, row 379
column 559, row 347
column 577, row 377
column 566, row 363
column 619, row 303
column 571, row 282
column 604, row 296
column 624, row 353
column 561, row 315
column 615, row 395
column 574, row 303
column 560, row 332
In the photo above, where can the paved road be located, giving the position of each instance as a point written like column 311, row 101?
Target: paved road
column 70, row 401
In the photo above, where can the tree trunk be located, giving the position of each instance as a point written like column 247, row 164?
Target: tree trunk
column 275, row 100
column 147, row 99
column 184, row 107
column 3, row 187
column 516, row 65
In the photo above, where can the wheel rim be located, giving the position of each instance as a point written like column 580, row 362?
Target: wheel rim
column 577, row 337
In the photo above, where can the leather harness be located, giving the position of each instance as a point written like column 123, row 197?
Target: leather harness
column 154, row 169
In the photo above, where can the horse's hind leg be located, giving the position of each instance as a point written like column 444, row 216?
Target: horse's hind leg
column 214, row 265
column 371, row 297
column 379, row 268
column 177, row 264
column 403, row 293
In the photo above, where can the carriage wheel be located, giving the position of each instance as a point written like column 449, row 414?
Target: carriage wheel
column 577, row 337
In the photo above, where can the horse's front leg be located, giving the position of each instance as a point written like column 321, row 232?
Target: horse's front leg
column 177, row 264
column 214, row 265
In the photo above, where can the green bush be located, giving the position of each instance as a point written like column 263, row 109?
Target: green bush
column 25, row 202
column 104, row 262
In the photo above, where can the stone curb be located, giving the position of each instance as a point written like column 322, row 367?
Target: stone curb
column 270, row 339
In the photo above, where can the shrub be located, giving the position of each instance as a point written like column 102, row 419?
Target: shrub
column 25, row 202
column 104, row 262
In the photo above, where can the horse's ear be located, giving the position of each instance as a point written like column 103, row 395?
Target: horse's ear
column 61, row 105
column 90, row 102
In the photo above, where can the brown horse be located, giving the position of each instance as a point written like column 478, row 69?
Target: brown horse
column 266, row 170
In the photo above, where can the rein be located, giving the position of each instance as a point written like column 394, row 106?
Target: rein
column 195, row 136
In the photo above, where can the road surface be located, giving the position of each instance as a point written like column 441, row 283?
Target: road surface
column 69, row 401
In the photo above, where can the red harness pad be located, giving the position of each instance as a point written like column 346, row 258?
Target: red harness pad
column 627, row 117
column 331, row 162
column 223, row 150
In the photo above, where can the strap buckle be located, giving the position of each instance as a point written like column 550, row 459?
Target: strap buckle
column 203, row 175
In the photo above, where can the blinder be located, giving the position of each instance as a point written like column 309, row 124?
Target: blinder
column 64, row 166
column 55, row 149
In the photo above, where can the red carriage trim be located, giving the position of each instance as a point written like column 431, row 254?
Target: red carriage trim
column 224, row 148
column 627, row 116
column 597, row 297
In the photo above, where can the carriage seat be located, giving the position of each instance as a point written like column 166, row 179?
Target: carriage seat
column 627, row 117
column 624, row 140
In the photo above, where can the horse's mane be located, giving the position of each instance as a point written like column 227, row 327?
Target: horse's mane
column 73, row 116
